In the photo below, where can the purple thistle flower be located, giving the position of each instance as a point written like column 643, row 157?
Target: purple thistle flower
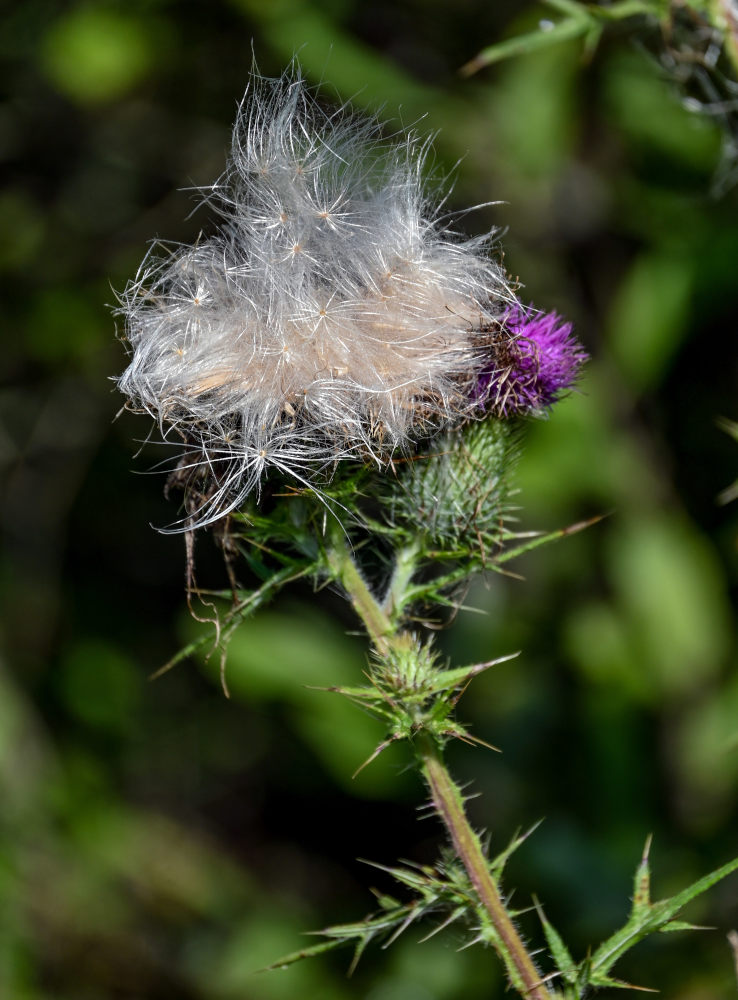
column 535, row 359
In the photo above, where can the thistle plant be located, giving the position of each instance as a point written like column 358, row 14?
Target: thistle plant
column 332, row 317
column 347, row 382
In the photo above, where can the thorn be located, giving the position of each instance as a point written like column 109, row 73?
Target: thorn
column 642, row 887
column 375, row 864
column 469, row 740
column 646, row 849
column 457, row 697
column 443, row 925
column 358, row 952
column 377, row 752
column 572, row 529
column 470, row 798
column 542, row 982
column 471, row 67
column 428, row 806
column 469, row 944
column 699, row 927
column 479, row 667
column 509, row 573
column 413, row 915
column 622, row 984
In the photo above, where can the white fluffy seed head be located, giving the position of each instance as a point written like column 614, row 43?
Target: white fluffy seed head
column 331, row 316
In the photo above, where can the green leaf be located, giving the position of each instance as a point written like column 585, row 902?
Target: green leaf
column 559, row 952
column 619, row 984
column 500, row 860
column 394, row 918
column 448, row 680
column 579, row 19
column 645, row 920
column 545, row 539
column 683, row 925
column 520, row 45
column 249, row 602
column 642, row 883
column 673, row 905
column 297, row 956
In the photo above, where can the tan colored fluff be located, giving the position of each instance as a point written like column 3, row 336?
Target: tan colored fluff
column 330, row 317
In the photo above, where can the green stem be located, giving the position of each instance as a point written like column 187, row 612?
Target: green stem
column 446, row 796
column 449, row 805
column 376, row 622
column 406, row 561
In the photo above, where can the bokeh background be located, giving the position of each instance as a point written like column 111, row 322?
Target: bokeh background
column 158, row 841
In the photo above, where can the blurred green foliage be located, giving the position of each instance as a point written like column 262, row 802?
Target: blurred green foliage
column 160, row 841
column 95, row 54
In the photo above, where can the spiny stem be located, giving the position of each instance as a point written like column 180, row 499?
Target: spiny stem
column 449, row 805
column 376, row 622
column 446, row 796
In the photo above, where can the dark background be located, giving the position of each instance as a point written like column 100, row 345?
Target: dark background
column 159, row 841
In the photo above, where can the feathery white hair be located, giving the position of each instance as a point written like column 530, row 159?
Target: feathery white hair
column 331, row 316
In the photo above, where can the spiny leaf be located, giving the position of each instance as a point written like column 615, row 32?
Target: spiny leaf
column 368, row 694
column 457, row 732
column 602, row 980
column 297, row 956
column 524, row 44
column 642, row 882
column 386, row 901
column 673, row 905
column 559, row 952
column 425, row 701
column 552, row 536
column 579, row 20
column 372, row 925
column 405, row 876
column 432, row 884
column 358, row 952
column 500, row 860
column 380, row 748
column 648, row 919
column 245, row 607
column 448, row 680
column 683, row 925
column 435, row 888
column 373, row 701
column 460, row 911
column 412, row 916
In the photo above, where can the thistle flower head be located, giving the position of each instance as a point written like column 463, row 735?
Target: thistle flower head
column 332, row 315
column 535, row 360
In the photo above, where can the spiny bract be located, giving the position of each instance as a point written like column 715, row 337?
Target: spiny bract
column 333, row 315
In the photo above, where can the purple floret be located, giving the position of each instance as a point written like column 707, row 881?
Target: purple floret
column 536, row 359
